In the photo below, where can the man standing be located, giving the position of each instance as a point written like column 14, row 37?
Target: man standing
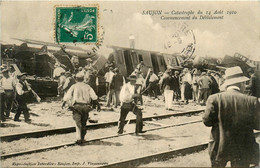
column 68, row 82
column 78, row 99
column 140, row 82
column 152, row 87
column 233, row 116
column 23, row 92
column 176, row 85
column 127, row 95
column 61, row 83
column 108, row 77
column 167, row 87
column 195, row 87
column 8, row 84
column 186, row 85
column 214, row 88
column 204, row 85
column 254, row 83
column 116, row 85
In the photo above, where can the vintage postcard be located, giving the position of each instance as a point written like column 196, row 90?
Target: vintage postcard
column 129, row 83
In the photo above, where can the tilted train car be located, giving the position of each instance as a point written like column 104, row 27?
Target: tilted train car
column 126, row 59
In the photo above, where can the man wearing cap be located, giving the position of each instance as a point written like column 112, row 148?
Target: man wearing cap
column 8, row 83
column 204, row 87
column 78, row 98
column 57, row 71
column 116, row 85
column 89, row 64
column 23, row 92
column 127, row 95
column 233, row 116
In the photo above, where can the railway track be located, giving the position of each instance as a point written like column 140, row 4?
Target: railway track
column 148, row 157
column 162, row 156
column 5, row 156
column 65, row 130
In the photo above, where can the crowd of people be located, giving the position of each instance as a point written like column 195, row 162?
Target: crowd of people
column 231, row 113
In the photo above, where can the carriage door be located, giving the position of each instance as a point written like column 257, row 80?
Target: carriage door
column 155, row 63
column 128, row 62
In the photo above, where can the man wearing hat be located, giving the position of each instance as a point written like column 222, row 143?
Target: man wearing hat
column 233, row 116
column 8, row 83
column 127, row 95
column 79, row 98
column 23, row 92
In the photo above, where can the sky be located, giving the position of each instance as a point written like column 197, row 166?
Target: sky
column 215, row 38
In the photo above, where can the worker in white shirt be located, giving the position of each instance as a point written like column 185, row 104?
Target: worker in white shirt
column 8, row 84
column 153, row 87
column 127, row 95
column 108, row 77
column 139, row 84
column 23, row 92
column 79, row 98
column 57, row 71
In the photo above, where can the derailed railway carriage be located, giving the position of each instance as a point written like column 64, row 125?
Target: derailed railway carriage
column 126, row 59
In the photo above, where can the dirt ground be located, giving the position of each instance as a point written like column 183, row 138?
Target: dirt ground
column 49, row 115
column 32, row 143
column 117, row 149
column 198, row 159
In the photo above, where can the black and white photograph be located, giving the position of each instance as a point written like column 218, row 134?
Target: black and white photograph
column 129, row 83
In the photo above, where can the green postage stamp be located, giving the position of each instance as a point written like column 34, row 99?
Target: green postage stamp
column 76, row 24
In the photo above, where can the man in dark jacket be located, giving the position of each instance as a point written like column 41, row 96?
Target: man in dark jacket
column 233, row 116
column 254, row 83
column 176, row 85
column 214, row 88
column 167, row 88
